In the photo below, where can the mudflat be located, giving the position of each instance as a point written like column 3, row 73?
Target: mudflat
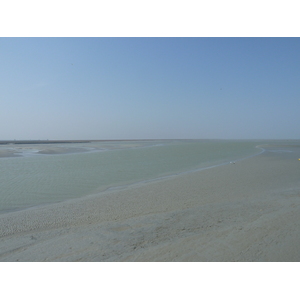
column 246, row 211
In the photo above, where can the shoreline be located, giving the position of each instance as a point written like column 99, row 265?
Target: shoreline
column 134, row 184
column 41, row 142
column 247, row 211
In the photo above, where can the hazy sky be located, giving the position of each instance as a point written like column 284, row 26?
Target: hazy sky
column 128, row 88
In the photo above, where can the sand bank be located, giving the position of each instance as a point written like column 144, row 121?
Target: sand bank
column 247, row 211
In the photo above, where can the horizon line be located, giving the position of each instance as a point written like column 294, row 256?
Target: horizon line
column 48, row 141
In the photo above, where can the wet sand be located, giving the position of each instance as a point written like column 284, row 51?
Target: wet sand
column 29, row 148
column 25, row 150
column 247, row 211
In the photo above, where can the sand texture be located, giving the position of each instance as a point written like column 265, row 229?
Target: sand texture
column 247, row 211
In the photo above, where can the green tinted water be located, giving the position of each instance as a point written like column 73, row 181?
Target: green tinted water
column 39, row 178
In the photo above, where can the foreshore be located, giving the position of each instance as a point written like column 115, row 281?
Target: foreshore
column 246, row 211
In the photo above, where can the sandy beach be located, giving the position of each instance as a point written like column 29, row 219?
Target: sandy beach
column 246, row 211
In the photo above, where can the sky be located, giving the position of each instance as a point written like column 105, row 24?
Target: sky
column 149, row 88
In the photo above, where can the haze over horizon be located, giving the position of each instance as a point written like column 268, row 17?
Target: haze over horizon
column 149, row 88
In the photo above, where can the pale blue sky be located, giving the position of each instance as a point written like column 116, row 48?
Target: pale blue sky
column 130, row 88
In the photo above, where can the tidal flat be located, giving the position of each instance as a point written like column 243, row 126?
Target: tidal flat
column 242, row 211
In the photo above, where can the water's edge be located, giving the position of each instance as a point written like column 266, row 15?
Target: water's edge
column 137, row 183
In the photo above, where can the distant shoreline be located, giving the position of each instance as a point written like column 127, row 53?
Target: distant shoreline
column 5, row 142
column 20, row 142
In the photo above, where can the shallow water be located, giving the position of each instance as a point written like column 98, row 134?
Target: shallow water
column 39, row 174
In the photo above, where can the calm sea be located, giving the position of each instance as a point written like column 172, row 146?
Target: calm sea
column 40, row 174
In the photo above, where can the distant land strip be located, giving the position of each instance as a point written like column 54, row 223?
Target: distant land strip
column 11, row 142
